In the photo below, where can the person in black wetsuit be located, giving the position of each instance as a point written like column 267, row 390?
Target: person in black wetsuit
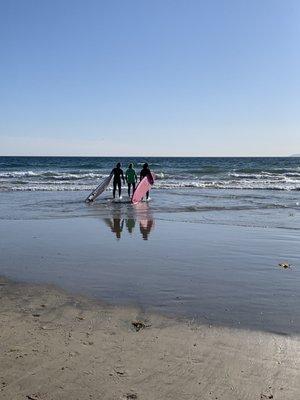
column 146, row 172
column 118, row 174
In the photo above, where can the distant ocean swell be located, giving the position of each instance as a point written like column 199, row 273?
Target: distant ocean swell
column 83, row 173
column 52, row 175
column 33, row 181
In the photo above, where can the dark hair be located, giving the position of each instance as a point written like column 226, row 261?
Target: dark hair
column 145, row 165
column 118, row 165
column 130, row 165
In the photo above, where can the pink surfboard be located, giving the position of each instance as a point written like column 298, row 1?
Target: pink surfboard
column 142, row 188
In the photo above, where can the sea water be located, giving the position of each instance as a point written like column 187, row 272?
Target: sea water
column 83, row 173
column 244, row 191
column 207, row 246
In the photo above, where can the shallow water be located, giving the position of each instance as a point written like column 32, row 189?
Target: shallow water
column 167, row 262
column 210, row 206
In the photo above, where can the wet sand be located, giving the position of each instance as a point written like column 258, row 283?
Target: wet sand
column 225, row 275
column 57, row 346
column 146, row 304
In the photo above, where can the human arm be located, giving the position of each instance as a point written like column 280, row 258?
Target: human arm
column 150, row 176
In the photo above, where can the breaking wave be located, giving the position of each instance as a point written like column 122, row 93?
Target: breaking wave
column 82, row 173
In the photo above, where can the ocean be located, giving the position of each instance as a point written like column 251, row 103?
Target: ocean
column 207, row 246
column 83, row 173
column 237, row 191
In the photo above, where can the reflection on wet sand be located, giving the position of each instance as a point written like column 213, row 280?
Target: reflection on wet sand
column 130, row 224
column 117, row 221
column 145, row 227
column 116, row 225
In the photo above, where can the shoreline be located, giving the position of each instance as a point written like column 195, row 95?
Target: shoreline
column 59, row 346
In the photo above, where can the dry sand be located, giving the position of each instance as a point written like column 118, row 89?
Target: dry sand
column 56, row 346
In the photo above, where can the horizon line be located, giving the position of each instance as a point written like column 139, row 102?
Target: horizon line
column 155, row 156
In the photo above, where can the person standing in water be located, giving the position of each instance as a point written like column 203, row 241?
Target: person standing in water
column 146, row 172
column 131, row 178
column 118, row 174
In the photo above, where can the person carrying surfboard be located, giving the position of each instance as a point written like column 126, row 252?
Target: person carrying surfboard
column 131, row 178
column 146, row 172
column 118, row 174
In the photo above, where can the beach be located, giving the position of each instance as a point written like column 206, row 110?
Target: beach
column 57, row 346
column 149, row 200
column 193, row 295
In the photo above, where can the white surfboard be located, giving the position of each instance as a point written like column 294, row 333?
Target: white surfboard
column 99, row 189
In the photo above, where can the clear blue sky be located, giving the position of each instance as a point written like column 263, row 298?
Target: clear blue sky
column 150, row 77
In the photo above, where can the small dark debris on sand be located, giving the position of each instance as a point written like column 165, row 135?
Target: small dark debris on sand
column 119, row 371
column 138, row 325
column 266, row 396
column 131, row 396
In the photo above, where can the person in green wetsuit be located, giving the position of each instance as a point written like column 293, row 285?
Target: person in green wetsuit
column 131, row 178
